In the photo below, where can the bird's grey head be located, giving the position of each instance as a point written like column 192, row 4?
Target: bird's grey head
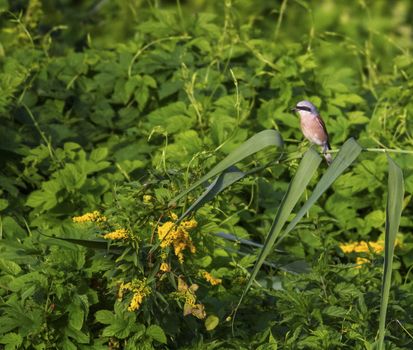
column 306, row 106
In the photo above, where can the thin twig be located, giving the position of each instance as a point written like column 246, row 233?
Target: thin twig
column 40, row 131
column 280, row 18
column 381, row 150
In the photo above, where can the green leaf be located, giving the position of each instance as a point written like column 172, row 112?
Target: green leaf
column 253, row 145
column 28, row 292
column 157, row 333
column 37, row 199
column 9, row 267
column 172, row 118
column 211, row 322
column 169, row 87
column 11, row 229
column 117, row 329
column 76, row 316
column 121, row 324
column 77, row 335
column 395, row 194
column 98, row 154
column 105, row 316
column 66, row 344
column 4, row 203
column 71, row 177
column 12, row 341
column 335, row 311
column 375, row 219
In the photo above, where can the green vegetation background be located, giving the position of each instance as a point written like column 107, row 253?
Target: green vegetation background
column 103, row 102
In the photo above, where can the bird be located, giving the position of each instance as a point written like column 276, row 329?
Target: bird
column 313, row 127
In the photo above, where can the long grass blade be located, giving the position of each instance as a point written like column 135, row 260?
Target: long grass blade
column 224, row 180
column 393, row 214
column 69, row 242
column 306, row 170
column 347, row 155
column 221, row 182
column 253, row 145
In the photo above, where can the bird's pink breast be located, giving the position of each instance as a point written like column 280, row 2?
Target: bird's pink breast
column 313, row 130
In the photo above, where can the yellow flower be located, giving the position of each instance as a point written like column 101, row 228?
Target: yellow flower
column 147, row 198
column 165, row 232
column 178, row 248
column 364, row 247
column 140, row 291
column 378, row 246
column 124, row 287
column 117, row 234
column 347, row 247
column 211, row 279
column 189, row 225
column 90, row 217
column 177, row 236
column 165, row 267
column 136, row 301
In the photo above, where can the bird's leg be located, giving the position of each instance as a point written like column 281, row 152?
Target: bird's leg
column 327, row 156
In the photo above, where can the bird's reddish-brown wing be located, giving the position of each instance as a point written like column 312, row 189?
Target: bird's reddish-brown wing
column 322, row 124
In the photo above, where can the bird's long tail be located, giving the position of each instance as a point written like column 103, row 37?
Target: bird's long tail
column 327, row 156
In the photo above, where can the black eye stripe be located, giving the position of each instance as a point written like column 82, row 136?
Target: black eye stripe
column 302, row 108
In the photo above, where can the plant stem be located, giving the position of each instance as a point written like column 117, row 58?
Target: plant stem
column 383, row 150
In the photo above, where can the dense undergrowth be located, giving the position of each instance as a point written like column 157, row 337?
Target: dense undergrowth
column 114, row 108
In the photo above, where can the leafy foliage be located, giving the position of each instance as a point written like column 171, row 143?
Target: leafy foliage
column 115, row 108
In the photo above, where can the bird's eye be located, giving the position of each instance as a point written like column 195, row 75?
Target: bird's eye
column 303, row 108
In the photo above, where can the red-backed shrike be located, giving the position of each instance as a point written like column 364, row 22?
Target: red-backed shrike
column 313, row 127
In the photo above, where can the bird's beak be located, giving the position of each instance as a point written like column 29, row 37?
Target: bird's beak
column 294, row 109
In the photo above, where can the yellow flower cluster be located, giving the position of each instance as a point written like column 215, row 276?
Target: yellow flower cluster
column 135, row 302
column 120, row 233
column 90, row 217
column 211, row 279
column 147, row 198
column 140, row 291
column 165, row 267
column 363, row 247
column 177, row 236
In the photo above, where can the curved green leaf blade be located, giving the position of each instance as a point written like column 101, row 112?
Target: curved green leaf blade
column 221, row 182
column 305, row 171
column 233, row 238
column 68, row 242
column 393, row 214
column 347, row 155
column 253, row 145
column 224, row 180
